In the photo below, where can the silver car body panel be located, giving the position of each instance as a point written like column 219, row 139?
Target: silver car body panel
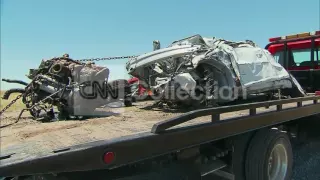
column 158, row 55
column 253, row 67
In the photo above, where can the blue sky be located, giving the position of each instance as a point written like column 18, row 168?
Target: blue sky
column 36, row 29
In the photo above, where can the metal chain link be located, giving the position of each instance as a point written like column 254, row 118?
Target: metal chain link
column 10, row 104
column 106, row 58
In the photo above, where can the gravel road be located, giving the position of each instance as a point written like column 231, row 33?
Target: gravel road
column 307, row 161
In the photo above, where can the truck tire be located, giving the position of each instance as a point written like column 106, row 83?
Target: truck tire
column 269, row 156
column 240, row 144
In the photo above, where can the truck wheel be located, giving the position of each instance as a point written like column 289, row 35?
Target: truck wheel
column 240, row 144
column 269, row 156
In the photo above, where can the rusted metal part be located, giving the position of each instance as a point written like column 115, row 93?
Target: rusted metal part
column 57, row 81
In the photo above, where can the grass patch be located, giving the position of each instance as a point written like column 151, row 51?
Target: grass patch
column 18, row 105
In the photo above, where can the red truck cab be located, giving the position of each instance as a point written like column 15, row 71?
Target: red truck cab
column 300, row 55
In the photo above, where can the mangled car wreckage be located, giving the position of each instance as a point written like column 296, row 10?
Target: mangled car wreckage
column 74, row 88
column 198, row 70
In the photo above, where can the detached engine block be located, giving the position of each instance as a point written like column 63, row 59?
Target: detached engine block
column 71, row 87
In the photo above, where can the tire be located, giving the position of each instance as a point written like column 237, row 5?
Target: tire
column 240, row 144
column 260, row 150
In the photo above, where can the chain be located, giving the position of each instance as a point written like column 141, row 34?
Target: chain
column 107, row 58
column 10, row 104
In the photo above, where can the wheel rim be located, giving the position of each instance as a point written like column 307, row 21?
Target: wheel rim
column 278, row 163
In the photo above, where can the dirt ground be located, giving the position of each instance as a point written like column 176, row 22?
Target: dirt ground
column 51, row 135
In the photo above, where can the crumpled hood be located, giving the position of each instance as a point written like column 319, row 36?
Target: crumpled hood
column 158, row 55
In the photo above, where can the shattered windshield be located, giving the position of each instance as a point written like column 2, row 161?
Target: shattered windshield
column 192, row 40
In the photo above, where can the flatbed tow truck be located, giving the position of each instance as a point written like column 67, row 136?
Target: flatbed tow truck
column 246, row 141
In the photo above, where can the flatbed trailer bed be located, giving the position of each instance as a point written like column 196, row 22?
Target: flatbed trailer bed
column 134, row 134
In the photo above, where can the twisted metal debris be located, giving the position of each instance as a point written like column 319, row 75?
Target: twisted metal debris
column 54, row 83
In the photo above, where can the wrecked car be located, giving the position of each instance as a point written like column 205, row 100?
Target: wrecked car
column 199, row 70
column 73, row 88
